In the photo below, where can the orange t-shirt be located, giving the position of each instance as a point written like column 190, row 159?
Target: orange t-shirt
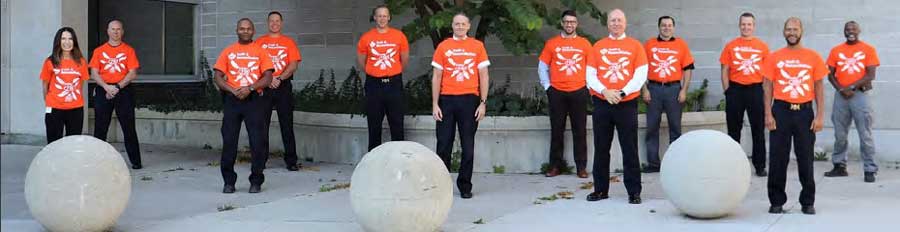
column 743, row 56
column 793, row 73
column 66, row 81
column 281, row 50
column 243, row 64
column 382, row 51
column 114, row 62
column 567, row 59
column 667, row 59
column 615, row 61
column 850, row 61
column 459, row 61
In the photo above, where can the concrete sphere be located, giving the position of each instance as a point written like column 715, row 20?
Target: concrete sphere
column 77, row 183
column 401, row 186
column 705, row 174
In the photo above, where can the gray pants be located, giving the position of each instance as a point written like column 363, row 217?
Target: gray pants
column 858, row 109
column 663, row 98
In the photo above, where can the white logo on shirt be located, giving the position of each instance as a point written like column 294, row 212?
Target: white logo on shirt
column 852, row 64
column 113, row 64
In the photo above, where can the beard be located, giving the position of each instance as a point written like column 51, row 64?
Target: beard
column 788, row 40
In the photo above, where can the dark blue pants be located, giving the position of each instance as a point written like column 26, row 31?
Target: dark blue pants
column 123, row 104
column 384, row 96
column 459, row 113
column 250, row 111
column 747, row 98
column 621, row 118
column 282, row 100
column 791, row 128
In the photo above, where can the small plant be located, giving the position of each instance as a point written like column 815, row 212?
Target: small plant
column 821, row 156
column 499, row 169
column 455, row 161
column 226, row 207
column 329, row 188
column 568, row 170
column 479, row 221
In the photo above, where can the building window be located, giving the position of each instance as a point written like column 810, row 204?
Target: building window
column 161, row 32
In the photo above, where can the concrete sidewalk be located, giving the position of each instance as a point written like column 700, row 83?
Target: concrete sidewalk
column 179, row 190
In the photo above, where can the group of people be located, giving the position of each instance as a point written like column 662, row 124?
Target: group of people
column 776, row 90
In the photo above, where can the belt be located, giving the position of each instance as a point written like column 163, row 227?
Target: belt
column 386, row 79
column 678, row 82
column 795, row 106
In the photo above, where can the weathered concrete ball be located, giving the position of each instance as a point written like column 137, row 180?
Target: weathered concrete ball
column 401, row 186
column 705, row 174
column 77, row 183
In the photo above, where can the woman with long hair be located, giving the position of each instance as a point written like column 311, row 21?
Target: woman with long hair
column 62, row 76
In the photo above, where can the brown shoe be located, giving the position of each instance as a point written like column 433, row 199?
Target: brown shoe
column 582, row 174
column 552, row 172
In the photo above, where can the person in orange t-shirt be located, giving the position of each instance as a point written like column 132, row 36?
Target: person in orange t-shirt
column 793, row 79
column 852, row 65
column 243, row 71
column 615, row 77
column 668, row 80
column 459, row 89
column 62, row 77
column 742, row 85
column 383, row 51
column 561, row 69
column 285, row 57
column 114, row 66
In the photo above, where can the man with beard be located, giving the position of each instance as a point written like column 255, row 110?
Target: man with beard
column 793, row 79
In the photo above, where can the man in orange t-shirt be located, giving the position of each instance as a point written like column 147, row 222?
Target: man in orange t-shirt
column 383, row 51
column 793, row 79
column 114, row 66
column 561, row 69
column 615, row 77
column 668, row 80
column 285, row 57
column 459, row 89
column 852, row 66
column 243, row 72
column 742, row 85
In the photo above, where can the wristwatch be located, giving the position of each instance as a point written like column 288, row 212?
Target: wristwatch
column 621, row 93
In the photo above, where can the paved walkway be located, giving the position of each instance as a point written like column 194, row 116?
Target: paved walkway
column 179, row 190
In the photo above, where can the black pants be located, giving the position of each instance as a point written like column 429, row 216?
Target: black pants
column 791, row 125
column 58, row 121
column 123, row 104
column 384, row 96
column 621, row 118
column 738, row 99
column 663, row 99
column 283, row 100
column 572, row 105
column 459, row 113
column 250, row 111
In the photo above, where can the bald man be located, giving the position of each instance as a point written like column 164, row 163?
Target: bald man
column 615, row 76
column 793, row 80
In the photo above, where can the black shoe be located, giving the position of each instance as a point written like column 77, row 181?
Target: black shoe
column 776, row 210
column 839, row 170
column 293, row 168
column 761, row 172
column 808, row 209
column 255, row 188
column 465, row 195
column 634, row 199
column 228, row 189
column 136, row 166
column 651, row 170
column 596, row 196
column 870, row 177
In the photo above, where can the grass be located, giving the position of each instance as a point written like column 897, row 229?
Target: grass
column 226, row 207
column 329, row 188
column 499, row 169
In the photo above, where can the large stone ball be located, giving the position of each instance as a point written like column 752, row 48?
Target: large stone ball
column 77, row 183
column 705, row 174
column 401, row 186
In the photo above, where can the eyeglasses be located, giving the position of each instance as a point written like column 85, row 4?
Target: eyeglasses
column 569, row 22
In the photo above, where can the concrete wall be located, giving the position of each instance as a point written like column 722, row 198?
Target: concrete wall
column 5, row 85
column 327, row 30
column 32, row 43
